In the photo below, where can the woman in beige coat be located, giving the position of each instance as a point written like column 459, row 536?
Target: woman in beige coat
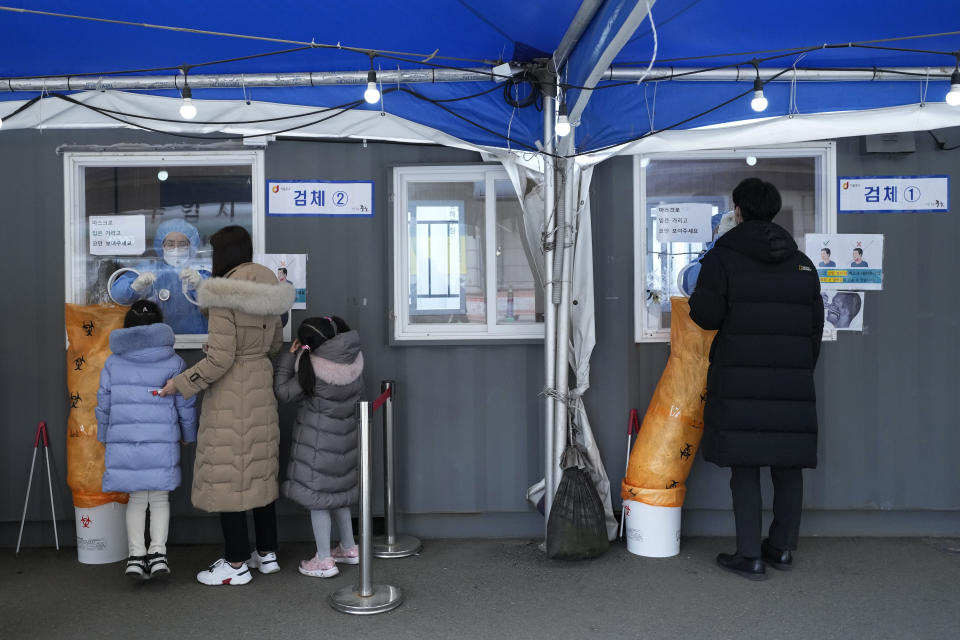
column 238, row 438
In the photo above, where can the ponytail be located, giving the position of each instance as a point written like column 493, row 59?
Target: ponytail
column 312, row 333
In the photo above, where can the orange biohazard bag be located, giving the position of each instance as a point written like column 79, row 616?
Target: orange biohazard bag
column 664, row 450
column 88, row 332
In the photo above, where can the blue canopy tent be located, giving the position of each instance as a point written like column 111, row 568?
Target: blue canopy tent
column 690, row 34
column 679, row 78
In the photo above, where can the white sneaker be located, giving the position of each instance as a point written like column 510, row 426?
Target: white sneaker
column 222, row 572
column 266, row 563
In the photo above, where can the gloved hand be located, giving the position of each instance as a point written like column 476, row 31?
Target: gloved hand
column 144, row 281
column 190, row 277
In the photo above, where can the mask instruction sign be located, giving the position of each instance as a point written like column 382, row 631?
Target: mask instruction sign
column 117, row 235
column 894, row 194
column 683, row 222
column 318, row 198
column 847, row 260
column 290, row 268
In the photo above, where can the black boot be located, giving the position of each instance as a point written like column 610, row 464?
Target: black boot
column 782, row 560
column 749, row 568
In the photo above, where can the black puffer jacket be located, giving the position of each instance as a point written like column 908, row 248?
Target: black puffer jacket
column 323, row 469
column 763, row 295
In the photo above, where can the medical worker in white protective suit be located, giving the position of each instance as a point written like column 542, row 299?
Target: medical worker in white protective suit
column 171, row 281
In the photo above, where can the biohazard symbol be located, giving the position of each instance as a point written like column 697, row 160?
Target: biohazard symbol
column 79, row 362
column 74, row 400
column 685, row 452
column 88, row 327
column 673, row 485
column 86, row 522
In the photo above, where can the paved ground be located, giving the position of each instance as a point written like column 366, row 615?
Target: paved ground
column 841, row 588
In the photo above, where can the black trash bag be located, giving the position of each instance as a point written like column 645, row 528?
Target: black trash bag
column 577, row 527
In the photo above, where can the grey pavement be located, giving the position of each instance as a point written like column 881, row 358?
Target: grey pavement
column 844, row 588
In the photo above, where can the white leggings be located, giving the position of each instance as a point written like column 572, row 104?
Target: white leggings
column 159, row 521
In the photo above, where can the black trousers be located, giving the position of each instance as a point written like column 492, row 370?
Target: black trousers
column 748, row 508
column 236, row 538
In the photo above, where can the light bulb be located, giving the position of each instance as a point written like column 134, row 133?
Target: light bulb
column 644, row 162
column 372, row 94
column 953, row 96
column 751, row 160
column 759, row 102
column 162, row 175
column 562, row 128
column 188, row 111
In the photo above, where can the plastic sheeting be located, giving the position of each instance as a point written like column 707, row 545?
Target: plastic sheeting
column 673, row 425
column 529, row 184
column 88, row 335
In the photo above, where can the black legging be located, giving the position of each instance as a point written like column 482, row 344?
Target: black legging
column 236, row 539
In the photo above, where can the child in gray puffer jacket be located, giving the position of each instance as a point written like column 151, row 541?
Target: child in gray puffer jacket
column 324, row 372
column 142, row 431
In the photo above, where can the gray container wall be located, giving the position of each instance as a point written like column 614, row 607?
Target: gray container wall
column 470, row 415
column 888, row 436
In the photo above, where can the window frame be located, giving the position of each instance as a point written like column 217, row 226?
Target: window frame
column 402, row 330
column 75, row 242
column 826, row 194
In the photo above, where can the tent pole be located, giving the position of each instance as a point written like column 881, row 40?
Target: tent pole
column 550, row 310
column 565, row 244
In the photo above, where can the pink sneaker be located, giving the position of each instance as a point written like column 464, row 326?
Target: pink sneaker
column 317, row 568
column 346, row 556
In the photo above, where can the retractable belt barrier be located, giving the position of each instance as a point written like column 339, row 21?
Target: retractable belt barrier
column 366, row 597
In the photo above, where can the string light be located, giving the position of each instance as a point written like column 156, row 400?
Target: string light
column 953, row 96
column 162, row 175
column 188, row 110
column 372, row 94
column 563, row 121
column 751, row 160
column 644, row 162
column 759, row 101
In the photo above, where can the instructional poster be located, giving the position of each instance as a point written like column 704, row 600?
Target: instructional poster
column 290, row 268
column 847, row 260
column 843, row 310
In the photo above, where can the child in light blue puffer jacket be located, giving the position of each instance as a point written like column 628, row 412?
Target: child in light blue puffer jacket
column 143, row 431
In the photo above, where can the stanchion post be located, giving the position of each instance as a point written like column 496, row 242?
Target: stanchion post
column 391, row 545
column 366, row 597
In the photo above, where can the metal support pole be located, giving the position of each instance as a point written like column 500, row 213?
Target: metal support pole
column 365, row 598
column 391, row 545
column 550, row 309
column 564, row 242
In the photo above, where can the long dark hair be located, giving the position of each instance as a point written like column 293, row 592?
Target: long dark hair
column 312, row 333
column 142, row 312
column 232, row 246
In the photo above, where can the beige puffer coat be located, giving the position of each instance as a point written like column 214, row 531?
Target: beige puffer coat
column 239, row 434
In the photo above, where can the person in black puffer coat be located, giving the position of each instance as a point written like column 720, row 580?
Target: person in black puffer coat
column 763, row 296
column 324, row 372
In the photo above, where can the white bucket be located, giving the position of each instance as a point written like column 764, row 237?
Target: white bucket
column 653, row 532
column 101, row 533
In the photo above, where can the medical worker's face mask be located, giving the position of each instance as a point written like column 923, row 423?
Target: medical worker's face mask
column 176, row 257
column 176, row 249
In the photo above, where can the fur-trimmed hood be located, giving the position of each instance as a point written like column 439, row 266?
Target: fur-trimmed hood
column 250, row 288
column 335, row 372
column 156, row 339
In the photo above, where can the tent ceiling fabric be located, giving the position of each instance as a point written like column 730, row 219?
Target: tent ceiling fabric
column 482, row 32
